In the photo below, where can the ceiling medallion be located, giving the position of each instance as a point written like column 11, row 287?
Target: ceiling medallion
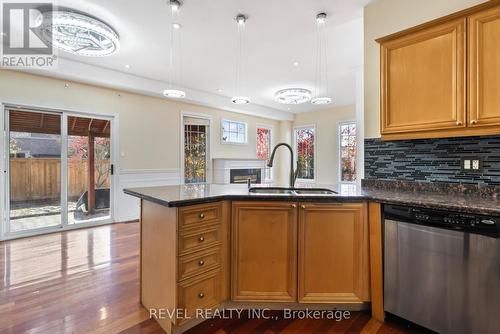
column 79, row 34
column 293, row 96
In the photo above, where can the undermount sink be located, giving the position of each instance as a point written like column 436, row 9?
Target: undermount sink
column 315, row 191
column 289, row 191
column 284, row 191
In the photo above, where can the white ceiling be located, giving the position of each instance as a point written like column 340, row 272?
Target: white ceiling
column 278, row 33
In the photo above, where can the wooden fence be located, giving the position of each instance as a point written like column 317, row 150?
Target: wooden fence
column 40, row 178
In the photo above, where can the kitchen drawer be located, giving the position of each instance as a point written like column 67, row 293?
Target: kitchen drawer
column 199, row 215
column 199, row 239
column 198, row 263
column 201, row 292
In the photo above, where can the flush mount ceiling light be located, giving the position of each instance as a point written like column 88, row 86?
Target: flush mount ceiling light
column 79, row 34
column 240, row 98
column 293, row 96
column 321, row 85
column 175, row 27
column 174, row 93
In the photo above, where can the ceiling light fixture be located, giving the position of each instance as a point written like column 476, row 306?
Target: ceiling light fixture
column 321, row 85
column 175, row 5
column 79, row 34
column 174, row 32
column 293, row 96
column 127, row 66
column 239, row 98
column 296, row 64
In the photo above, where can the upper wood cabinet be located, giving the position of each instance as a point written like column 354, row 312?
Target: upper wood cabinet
column 333, row 253
column 484, row 69
column 442, row 79
column 423, row 80
column 264, row 251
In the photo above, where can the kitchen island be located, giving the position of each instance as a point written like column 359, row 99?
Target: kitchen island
column 210, row 246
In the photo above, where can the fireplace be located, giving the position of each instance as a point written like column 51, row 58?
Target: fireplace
column 242, row 175
column 227, row 171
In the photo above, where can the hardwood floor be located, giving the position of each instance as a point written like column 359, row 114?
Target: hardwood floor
column 87, row 281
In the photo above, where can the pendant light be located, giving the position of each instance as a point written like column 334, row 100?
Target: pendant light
column 175, row 27
column 321, row 63
column 239, row 98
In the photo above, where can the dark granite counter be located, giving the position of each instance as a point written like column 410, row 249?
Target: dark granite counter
column 183, row 195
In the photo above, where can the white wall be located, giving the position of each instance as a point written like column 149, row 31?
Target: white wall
column 384, row 17
column 327, row 143
column 149, row 135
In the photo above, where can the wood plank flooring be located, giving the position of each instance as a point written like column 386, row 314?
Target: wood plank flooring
column 87, row 281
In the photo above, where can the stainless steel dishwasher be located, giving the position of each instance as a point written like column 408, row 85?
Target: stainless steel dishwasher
column 442, row 269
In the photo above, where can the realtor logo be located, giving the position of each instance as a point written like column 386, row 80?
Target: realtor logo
column 23, row 44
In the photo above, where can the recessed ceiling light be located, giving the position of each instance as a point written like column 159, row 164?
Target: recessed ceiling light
column 79, row 34
column 174, row 93
column 176, row 25
column 240, row 100
column 241, row 19
column 296, row 63
column 321, row 100
column 293, row 95
column 127, row 66
column 219, row 90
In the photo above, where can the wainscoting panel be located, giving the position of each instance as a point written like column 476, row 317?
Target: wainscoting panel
column 433, row 160
column 129, row 206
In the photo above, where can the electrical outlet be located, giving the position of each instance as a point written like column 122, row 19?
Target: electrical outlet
column 475, row 165
column 466, row 164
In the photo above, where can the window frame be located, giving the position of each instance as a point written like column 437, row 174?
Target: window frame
column 233, row 142
column 271, row 145
column 295, row 152
column 339, row 150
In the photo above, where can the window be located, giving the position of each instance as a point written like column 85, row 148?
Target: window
column 234, row 132
column 304, row 138
column 264, row 148
column 347, row 142
column 195, row 149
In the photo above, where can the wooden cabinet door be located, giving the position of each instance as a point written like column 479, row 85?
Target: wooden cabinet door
column 264, row 251
column 423, row 88
column 333, row 253
column 484, row 69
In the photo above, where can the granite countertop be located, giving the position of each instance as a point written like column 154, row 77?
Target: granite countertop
column 183, row 195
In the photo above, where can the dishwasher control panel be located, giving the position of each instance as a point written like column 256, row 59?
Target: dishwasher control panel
column 473, row 223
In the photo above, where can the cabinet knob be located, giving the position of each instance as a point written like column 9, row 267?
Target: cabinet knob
column 201, row 239
column 202, row 215
column 460, row 123
column 201, row 295
column 294, row 205
column 473, row 121
column 201, row 263
column 303, row 206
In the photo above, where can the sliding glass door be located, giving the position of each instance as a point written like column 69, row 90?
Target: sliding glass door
column 34, row 152
column 59, row 171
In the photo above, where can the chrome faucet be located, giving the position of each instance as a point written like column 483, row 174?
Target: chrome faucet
column 293, row 174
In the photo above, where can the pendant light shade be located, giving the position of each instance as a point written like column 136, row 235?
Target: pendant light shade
column 175, row 28
column 240, row 98
column 321, row 84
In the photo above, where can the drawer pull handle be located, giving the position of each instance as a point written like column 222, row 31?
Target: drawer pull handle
column 201, row 263
column 459, row 123
column 473, row 121
column 201, row 295
column 201, row 239
column 294, row 205
column 303, row 206
column 202, row 215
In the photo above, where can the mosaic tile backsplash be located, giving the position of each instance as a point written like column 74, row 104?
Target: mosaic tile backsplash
column 433, row 160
